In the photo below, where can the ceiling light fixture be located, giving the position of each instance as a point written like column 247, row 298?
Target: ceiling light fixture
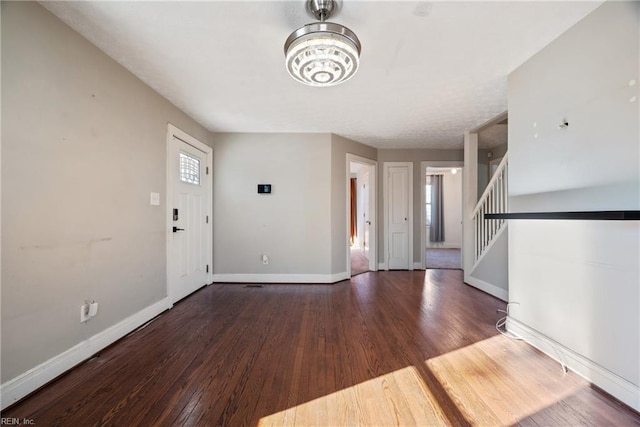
column 322, row 53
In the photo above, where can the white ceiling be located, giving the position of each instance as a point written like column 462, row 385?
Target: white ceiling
column 429, row 70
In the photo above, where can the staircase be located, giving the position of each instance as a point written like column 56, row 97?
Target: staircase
column 493, row 200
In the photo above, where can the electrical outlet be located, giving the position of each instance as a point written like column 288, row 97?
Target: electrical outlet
column 265, row 259
column 93, row 309
column 84, row 312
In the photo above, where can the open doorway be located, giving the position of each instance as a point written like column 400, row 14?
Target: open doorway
column 361, row 214
column 442, row 216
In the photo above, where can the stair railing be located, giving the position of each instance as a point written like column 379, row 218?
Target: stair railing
column 494, row 200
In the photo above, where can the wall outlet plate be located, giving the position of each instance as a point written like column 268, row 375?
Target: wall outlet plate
column 84, row 313
column 93, row 309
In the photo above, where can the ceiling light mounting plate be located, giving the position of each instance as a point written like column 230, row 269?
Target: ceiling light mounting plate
column 322, row 9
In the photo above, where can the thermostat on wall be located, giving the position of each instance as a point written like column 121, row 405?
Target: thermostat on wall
column 264, row 188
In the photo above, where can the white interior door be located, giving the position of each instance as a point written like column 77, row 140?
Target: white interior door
column 366, row 221
column 190, row 229
column 399, row 216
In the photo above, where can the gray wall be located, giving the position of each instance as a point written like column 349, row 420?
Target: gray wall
column 493, row 268
column 302, row 225
column 483, row 171
column 577, row 282
column 84, row 144
column 291, row 224
column 416, row 156
column 483, row 165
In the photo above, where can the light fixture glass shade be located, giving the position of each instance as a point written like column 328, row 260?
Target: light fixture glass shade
column 322, row 54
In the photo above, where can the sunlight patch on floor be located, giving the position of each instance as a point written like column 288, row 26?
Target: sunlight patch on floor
column 501, row 382
column 396, row 398
column 494, row 382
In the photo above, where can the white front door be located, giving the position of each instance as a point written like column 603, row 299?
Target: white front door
column 399, row 216
column 189, row 259
column 366, row 223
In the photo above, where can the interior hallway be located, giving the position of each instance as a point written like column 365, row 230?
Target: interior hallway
column 443, row 258
column 359, row 262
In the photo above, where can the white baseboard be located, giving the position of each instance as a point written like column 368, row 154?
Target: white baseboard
column 615, row 385
column 383, row 266
column 339, row 277
column 280, row 278
column 494, row 290
column 20, row 386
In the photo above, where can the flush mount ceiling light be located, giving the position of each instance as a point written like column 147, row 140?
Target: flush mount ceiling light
column 322, row 53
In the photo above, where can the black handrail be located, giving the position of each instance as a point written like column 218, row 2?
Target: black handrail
column 582, row 215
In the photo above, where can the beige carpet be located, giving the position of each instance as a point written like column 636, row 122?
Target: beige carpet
column 446, row 259
column 359, row 263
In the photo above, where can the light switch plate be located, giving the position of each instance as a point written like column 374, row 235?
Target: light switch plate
column 155, row 199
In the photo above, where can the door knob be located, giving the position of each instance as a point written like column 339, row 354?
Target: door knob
column 368, row 222
column 177, row 229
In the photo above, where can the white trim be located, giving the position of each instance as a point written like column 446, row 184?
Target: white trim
column 373, row 185
column 385, row 208
column 418, row 266
column 469, row 199
column 20, row 386
column 280, row 278
column 500, row 117
column 382, row 266
column 423, row 173
column 185, row 137
column 618, row 387
column 493, row 290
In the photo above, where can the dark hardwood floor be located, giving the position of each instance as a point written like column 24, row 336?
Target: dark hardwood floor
column 387, row 348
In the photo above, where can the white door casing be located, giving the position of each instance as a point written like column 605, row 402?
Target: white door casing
column 399, row 215
column 366, row 223
column 189, row 235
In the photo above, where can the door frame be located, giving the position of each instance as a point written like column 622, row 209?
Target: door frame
column 363, row 190
column 385, row 221
column 423, row 199
column 174, row 132
column 373, row 208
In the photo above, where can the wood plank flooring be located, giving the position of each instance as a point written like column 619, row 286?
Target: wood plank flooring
column 387, row 348
column 443, row 258
column 359, row 263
